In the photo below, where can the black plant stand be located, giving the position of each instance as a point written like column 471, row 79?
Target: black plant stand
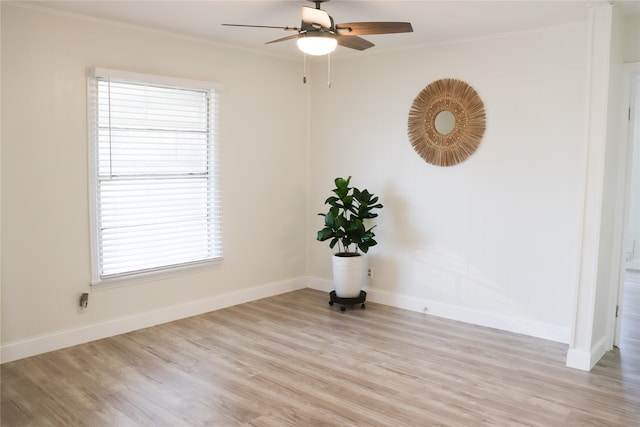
column 344, row 302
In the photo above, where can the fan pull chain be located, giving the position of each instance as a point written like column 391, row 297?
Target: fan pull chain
column 304, row 74
column 329, row 71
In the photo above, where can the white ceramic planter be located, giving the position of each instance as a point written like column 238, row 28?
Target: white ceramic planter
column 348, row 275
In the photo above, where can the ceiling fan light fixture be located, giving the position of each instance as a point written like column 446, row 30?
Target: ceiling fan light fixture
column 317, row 45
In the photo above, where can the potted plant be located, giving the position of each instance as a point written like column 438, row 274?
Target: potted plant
column 344, row 226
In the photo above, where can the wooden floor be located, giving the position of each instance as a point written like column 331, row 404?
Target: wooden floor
column 293, row 360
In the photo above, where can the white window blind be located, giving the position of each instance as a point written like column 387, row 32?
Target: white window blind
column 155, row 173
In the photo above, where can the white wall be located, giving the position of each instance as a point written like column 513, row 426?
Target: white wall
column 493, row 240
column 632, row 54
column 631, row 43
column 632, row 236
column 45, row 229
column 0, row 183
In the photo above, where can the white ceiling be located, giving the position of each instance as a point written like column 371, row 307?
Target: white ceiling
column 433, row 21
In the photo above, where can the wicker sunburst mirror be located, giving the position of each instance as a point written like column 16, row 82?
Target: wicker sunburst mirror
column 446, row 122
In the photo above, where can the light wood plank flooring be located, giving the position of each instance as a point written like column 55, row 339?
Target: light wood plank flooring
column 292, row 360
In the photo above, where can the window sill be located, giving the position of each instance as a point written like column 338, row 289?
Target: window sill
column 153, row 275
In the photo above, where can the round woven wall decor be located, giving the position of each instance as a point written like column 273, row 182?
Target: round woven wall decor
column 462, row 137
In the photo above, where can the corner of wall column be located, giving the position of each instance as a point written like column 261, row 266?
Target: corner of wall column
column 581, row 348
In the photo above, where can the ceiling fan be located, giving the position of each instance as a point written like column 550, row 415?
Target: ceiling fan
column 318, row 35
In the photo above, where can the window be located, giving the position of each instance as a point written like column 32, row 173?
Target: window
column 154, row 173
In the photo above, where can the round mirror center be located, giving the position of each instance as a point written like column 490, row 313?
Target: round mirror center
column 445, row 122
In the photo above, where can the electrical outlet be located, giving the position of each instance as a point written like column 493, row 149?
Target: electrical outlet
column 370, row 273
column 83, row 305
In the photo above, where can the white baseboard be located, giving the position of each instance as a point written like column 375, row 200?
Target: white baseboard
column 41, row 344
column 462, row 314
column 585, row 360
column 579, row 359
column 320, row 284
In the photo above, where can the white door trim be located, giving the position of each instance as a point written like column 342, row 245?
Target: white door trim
column 631, row 86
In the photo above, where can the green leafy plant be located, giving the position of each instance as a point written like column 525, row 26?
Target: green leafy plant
column 344, row 223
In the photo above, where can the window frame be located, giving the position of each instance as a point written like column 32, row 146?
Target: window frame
column 215, row 90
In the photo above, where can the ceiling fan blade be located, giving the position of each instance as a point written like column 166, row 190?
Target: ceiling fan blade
column 262, row 26
column 364, row 28
column 353, row 42
column 313, row 16
column 293, row 36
